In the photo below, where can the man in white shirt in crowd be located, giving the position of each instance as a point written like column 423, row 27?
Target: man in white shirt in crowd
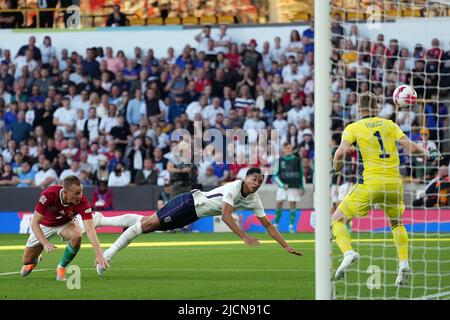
column 46, row 177
column 196, row 107
column 222, row 41
column 27, row 60
column 297, row 112
column 74, row 170
column 211, row 111
column 119, row 177
column 202, row 38
column 82, row 102
column 293, row 73
column 65, row 118
column 277, row 50
column 251, row 126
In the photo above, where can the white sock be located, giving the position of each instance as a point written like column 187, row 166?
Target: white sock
column 124, row 240
column 404, row 264
column 125, row 220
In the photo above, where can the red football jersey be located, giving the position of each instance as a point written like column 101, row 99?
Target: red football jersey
column 50, row 205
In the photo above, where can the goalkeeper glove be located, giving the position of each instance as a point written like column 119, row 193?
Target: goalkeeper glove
column 432, row 155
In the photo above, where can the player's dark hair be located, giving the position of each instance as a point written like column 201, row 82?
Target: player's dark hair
column 71, row 180
column 252, row 171
column 368, row 101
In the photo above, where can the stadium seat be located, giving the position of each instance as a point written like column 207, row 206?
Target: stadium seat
column 411, row 12
column 393, row 13
column 190, row 20
column 172, row 20
column 137, row 22
column 154, row 21
column 225, row 19
column 208, row 20
column 301, row 16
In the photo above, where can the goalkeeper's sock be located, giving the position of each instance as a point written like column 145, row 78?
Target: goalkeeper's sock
column 401, row 241
column 277, row 216
column 125, row 220
column 68, row 256
column 342, row 236
column 124, row 240
column 292, row 217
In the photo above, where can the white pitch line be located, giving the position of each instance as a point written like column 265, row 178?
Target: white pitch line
column 18, row 272
column 433, row 296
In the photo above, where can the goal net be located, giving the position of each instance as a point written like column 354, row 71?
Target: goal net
column 377, row 46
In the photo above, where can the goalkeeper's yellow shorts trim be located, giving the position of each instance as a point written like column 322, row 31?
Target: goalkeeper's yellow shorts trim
column 361, row 198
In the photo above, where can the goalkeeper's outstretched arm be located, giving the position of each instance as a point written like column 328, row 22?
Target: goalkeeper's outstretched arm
column 417, row 149
column 338, row 160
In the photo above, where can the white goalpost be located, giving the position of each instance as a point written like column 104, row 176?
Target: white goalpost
column 322, row 124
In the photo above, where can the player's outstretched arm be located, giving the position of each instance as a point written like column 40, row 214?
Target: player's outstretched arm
column 92, row 236
column 35, row 226
column 338, row 160
column 227, row 218
column 273, row 232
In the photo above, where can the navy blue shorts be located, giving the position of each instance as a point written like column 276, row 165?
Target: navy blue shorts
column 178, row 212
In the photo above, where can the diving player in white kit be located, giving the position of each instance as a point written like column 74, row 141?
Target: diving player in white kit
column 188, row 207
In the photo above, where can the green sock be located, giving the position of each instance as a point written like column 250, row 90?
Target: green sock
column 69, row 254
column 277, row 216
column 292, row 218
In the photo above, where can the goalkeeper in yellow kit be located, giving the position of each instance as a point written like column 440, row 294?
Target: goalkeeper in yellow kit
column 379, row 180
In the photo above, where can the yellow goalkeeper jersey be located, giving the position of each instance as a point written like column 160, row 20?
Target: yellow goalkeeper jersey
column 376, row 141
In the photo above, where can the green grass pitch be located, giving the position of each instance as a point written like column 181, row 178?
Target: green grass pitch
column 224, row 271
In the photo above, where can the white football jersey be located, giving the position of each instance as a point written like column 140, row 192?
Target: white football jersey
column 210, row 203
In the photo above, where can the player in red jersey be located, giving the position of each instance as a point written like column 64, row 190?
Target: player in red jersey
column 53, row 214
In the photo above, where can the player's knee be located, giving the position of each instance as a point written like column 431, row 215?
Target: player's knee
column 147, row 224
column 76, row 238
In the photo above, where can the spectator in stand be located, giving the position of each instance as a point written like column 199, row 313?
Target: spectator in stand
column 202, row 38
column 45, row 177
column 102, row 198
column 436, row 118
column 308, row 37
column 8, row 177
column 61, row 164
column 74, row 170
column 119, row 177
column 251, row 58
column 65, row 118
column 24, row 62
column 102, row 172
column 35, row 51
column 148, row 175
column 116, row 18
column 337, row 30
column 60, row 142
column 110, row 121
column 26, row 175
column 136, row 157
column 177, row 108
column 308, row 171
column 20, row 130
column 121, row 133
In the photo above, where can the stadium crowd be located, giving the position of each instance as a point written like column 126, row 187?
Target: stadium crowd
column 105, row 116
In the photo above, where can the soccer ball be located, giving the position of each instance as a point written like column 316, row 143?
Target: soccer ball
column 404, row 96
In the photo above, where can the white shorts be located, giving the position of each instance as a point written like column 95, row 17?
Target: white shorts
column 49, row 232
column 338, row 192
column 291, row 195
